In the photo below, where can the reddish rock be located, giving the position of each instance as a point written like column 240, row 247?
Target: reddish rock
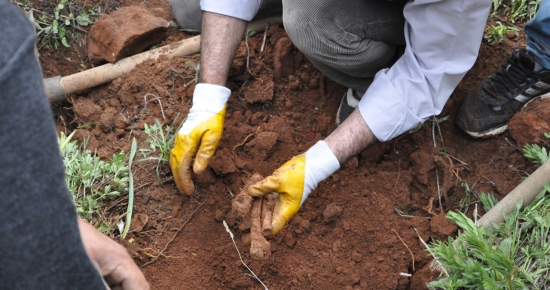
column 125, row 32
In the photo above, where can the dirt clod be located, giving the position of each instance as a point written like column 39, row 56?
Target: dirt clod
column 442, row 227
column 260, row 147
column 124, row 32
column 332, row 212
column 529, row 125
column 139, row 221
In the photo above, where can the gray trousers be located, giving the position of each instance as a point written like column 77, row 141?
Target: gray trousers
column 348, row 41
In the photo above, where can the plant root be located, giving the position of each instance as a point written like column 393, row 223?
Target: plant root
column 260, row 248
column 267, row 215
column 241, row 205
column 254, row 214
column 448, row 175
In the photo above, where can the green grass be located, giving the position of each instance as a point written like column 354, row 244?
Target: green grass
column 516, row 10
column 513, row 255
column 160, row 141
column 91, row 180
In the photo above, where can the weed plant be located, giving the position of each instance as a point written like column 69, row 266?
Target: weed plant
column 498, row 33
column 61, row 24
column 91, row 180
column 161, row 141
column 511, row 255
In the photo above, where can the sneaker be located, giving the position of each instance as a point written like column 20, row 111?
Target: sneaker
column 487, row 110
column 347, row 105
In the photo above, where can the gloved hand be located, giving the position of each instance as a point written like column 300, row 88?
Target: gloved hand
column 295, row 180
column 204, row 127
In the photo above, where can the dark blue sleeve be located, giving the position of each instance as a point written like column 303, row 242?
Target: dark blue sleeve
column 40, row 245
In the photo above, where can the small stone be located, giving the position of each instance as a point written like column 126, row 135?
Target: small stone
column 289, row 240
column 313, row 83
column 335, row 246
column 356, row 256
column 352, row 163
column 219, row 215
column 346, row 226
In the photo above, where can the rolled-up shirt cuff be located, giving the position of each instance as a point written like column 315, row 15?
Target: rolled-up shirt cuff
column 241, row 9
column 384, row 110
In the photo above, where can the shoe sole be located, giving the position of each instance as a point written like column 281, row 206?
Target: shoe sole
column 339, row 120
column 499, row 130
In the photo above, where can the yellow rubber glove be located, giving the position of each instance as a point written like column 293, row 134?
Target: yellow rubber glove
column 295, row 180
column 204, row 128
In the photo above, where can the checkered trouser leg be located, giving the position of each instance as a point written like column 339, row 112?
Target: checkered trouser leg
column 349, row 41
column 188, row 13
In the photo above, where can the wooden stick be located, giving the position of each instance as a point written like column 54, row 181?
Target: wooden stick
column 526, row 191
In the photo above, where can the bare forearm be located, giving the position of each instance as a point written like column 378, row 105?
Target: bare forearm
column 350, row 138
column 220, row 39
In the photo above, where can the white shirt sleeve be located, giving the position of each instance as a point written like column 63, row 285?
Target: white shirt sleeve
column 242, row 9
column 443, row 39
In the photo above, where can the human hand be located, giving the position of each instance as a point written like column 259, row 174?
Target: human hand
column 204, row 127
column 295, row 180
column 111, row 259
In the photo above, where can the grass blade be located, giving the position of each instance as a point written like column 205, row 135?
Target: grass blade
column 130, row 189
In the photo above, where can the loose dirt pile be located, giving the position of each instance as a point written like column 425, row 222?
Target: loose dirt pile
column 354, row 231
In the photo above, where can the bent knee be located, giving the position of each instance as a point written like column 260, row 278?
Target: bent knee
column 188, row 13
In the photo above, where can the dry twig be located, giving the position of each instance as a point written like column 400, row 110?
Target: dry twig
column 158, row 99
column 405, row 246
column 429, row 250
column 240, row 257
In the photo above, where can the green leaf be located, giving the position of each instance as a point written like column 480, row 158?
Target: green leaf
column 60, row 6
column 83, row 19
column 62, row 32
column 67, row 22
column 64, row 42
column 55, row 27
